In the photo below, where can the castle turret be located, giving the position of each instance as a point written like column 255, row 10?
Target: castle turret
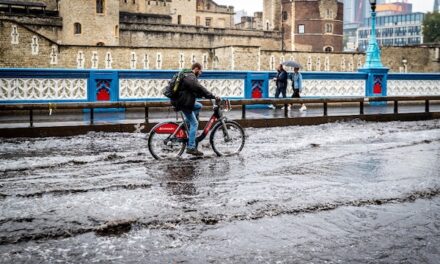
column 90, row 22
column 272, row 15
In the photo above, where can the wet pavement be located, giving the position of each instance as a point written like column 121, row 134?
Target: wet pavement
column 354, row 192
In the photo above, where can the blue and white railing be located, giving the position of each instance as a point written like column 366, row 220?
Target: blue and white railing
column 56, row 85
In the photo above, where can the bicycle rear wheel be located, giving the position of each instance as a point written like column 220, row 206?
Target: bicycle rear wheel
column 163, row 145
column 229, row 140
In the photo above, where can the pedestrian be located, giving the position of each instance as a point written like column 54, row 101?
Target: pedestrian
column 296, row 78
column 281, row 83
column 185, row 101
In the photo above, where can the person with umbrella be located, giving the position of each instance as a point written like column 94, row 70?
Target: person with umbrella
column 281, row 82
column 296, row 78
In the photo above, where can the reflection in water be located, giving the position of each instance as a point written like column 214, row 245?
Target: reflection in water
column 180, row 176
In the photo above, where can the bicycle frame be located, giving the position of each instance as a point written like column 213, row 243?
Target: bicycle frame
column 180, row 132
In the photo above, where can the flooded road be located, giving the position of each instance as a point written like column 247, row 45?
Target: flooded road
column 345, row 192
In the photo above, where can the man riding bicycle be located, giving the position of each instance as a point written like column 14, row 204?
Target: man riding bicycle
column 185, row 101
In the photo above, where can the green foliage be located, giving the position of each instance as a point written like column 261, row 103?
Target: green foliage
column 431, row 28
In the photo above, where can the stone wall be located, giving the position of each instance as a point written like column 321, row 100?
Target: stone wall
column 420, row 59
column 28, row 49
column 47, row 26
column 316, row 61
column 193, row 36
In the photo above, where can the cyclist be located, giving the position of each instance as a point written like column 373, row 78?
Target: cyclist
column 189, row 90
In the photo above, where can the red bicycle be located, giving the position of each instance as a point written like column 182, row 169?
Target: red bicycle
column 169, row 139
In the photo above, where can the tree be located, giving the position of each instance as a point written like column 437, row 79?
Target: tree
column 431, row 28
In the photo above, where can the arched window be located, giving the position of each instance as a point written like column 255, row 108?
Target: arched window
column 100, row 44
column 267, row 25
column 328, row 49
column 100, row 6
column 179, row 19
column 77, row 28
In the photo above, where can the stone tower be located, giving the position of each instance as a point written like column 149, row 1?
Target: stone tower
column 272, row 14
column 90, row 22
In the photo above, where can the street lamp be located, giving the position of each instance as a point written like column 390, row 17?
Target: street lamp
column 373, row 52
column 373, row 5
column 376, row 84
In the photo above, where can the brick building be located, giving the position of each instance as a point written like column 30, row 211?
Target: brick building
column 312, row 25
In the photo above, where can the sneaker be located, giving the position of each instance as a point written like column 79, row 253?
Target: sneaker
column 194, row 152
column 271, row 106
column 303, row 108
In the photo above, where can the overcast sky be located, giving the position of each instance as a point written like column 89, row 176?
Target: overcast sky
column 257, row 5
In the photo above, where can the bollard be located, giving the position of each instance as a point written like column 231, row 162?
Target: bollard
column 243, row 111
column 426, row 106
column 325, row 109
column 361, row 110
column 396, row 107
column 286, row 111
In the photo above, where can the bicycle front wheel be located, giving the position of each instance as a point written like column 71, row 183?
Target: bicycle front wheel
column 163, row 145
column 227, row 139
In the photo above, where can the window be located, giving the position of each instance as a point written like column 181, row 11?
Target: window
column 328, row 49
column 301, row 29
column 100, row 44
column 285, row 15
column 198, row 21
column 179, row 19
column 116, row 31
column 77, row 28
column 328, row 28
column 208, row 22
column 267, row 25
column 100, row 6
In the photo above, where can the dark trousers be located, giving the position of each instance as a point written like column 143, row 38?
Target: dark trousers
column 295, row 93
column 282, row 90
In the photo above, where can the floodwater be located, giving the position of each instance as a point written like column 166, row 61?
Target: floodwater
column 353, row 192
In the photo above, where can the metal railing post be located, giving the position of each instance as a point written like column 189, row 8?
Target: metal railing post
column 361, row 108
column 92, row 121
column 396, row 107
column 146, row 114
column 286, row 111
column 243, row 111
column 325, row 109
column 31, row 117
column 426, row 106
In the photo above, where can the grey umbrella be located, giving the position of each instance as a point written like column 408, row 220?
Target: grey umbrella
column 292, row 64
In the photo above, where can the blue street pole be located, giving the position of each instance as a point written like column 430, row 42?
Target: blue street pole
column 373, row 52
column 376, row 84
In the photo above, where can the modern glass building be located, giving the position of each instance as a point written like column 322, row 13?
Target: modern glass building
column 395, row 30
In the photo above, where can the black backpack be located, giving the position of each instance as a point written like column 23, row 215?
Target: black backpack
column 172, row 89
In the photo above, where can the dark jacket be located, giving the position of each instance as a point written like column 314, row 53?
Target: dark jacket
column 281, row 79
column 189, row 90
